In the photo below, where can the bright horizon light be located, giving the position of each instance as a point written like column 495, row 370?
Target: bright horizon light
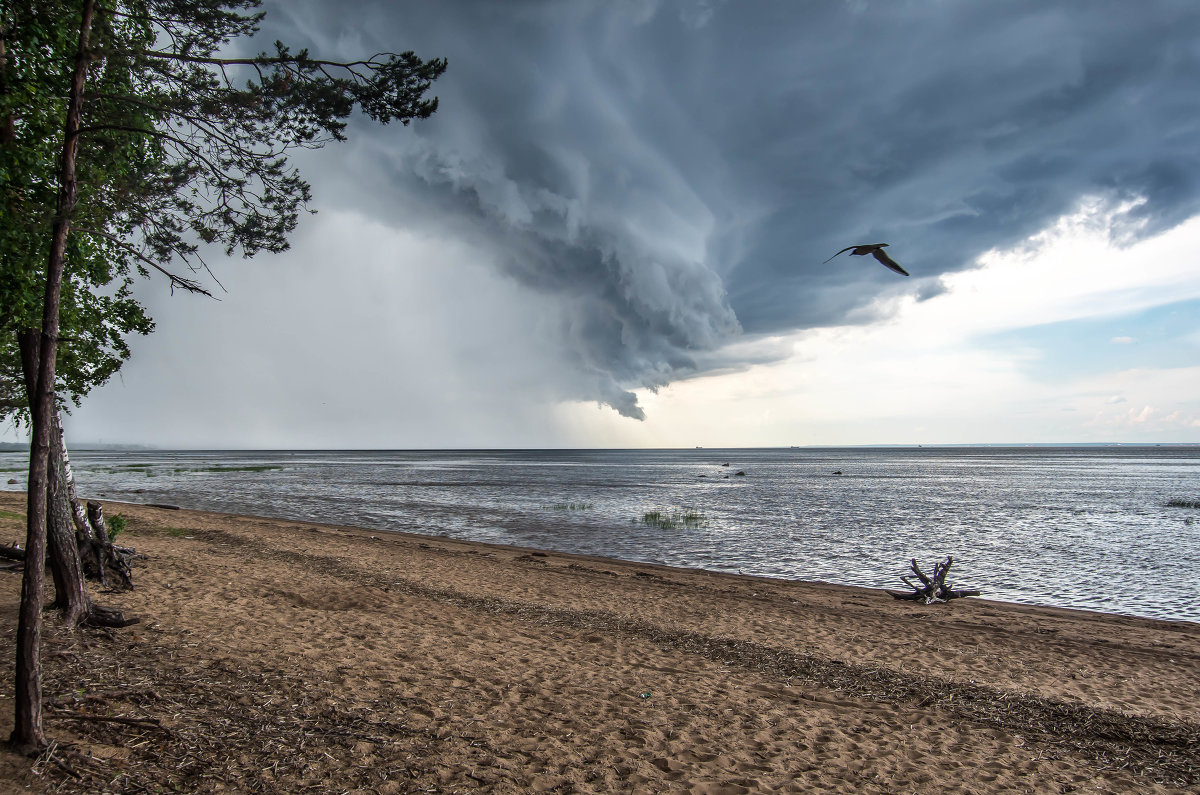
column 921, row 376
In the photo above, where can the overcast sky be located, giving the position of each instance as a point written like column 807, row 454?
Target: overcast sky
column 612, row 233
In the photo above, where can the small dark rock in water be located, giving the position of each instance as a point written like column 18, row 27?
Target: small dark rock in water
column 12, row 481
column 725, row 464
column 739, row 474
column 139, row 491
column 703, row 476
column 837, row 471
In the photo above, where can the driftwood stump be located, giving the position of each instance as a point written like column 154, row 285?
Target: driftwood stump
column 102, row 560
column 114, row 562
column 932, row 589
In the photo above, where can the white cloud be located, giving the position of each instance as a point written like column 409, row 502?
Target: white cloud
column 918, row 376
column 438, row 350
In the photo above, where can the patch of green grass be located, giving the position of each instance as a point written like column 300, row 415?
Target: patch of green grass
column 671, row 520
column 176, row 532
column 11, row 515
column 1183, row 503
column 117, row 523
column 572, row 506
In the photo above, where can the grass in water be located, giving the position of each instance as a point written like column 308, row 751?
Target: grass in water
column 1183, row 503
column 136, row 466
column 572, row 506
column 670, row 520
column 257, row 468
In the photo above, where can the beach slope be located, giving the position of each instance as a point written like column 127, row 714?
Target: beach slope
column 279, row 656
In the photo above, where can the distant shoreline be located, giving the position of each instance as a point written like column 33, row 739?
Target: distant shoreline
column 16, row 447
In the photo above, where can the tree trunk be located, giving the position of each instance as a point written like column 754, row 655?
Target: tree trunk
column 27, row 733
column 70, row 595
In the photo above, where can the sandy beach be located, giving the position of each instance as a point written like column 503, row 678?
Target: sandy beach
column 280, row 656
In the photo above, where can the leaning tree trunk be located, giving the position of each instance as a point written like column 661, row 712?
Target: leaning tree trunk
column 85, row 538
column 77, row 541
column 70, row 595
column 27, row 733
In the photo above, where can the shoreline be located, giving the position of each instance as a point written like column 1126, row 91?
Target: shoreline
column 715, row 572
column 450, row 664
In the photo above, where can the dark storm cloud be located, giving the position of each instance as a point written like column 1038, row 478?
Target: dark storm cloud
column 675, row 173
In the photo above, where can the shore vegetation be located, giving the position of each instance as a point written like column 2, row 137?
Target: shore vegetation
column 130, row 144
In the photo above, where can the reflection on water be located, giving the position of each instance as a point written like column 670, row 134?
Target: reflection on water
column 1073, row 527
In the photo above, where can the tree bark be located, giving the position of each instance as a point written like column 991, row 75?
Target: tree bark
column 27, row 733
column 70, row 594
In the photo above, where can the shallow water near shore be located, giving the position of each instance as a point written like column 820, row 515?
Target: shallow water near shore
column 1088, row 527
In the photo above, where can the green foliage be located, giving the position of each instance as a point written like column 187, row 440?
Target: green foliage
column 97, row 309
column 117, row 524
column 179, row 149
column 217, row 130
column 11, row 515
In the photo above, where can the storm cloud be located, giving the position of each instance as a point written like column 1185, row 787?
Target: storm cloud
column 667, row 178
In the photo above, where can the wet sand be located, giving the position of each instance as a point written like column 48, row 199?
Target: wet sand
column 275, row 656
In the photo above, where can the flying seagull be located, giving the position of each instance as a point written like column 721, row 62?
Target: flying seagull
column 876, row 250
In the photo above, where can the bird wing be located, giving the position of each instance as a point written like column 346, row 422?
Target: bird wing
column 843, row 251
column 882, row 256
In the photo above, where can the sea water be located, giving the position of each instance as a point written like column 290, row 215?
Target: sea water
column 1084, row 527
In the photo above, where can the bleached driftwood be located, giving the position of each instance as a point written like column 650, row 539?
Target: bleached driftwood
column 932, row 589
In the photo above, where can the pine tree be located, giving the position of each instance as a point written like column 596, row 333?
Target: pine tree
column 162, row 149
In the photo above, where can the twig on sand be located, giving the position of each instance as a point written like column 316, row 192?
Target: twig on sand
column 153, row 723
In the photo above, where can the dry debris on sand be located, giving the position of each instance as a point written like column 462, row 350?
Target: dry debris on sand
column 279, row 656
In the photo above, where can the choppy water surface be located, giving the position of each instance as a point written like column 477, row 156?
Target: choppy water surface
column 1074, row 527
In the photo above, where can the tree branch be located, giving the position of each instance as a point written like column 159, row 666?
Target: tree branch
column 290, row 60
column 176, row 281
